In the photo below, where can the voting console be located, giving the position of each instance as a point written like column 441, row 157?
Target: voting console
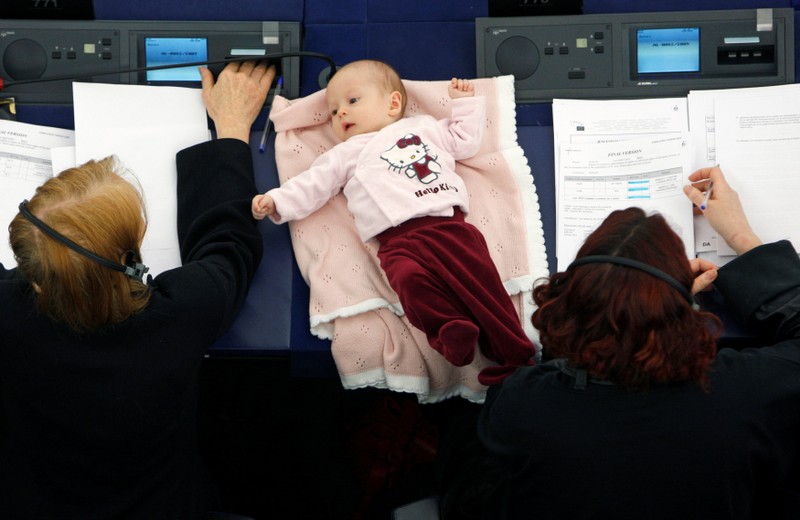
column 39, row 59
column 637, row 54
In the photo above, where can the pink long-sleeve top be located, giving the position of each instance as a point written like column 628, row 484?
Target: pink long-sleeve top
column 403, row 171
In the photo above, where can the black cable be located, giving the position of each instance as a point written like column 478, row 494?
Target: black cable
column 260, row 57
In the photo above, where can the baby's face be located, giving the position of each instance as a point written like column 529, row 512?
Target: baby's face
column 357, row 104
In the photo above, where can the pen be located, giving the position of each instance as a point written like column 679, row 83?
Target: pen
column 263, row 145
column 704, row 204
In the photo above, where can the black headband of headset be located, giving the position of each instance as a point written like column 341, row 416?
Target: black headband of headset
column 132, row 269
column 635, row 264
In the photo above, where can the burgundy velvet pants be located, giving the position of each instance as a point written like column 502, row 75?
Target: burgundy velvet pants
column 450, row 289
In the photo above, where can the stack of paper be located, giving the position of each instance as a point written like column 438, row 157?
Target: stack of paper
column 618, row 153
column 754, row 135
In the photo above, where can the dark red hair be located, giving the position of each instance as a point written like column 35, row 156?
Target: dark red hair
column 622, row 324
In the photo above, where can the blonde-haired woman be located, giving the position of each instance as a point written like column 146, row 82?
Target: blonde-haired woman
column 98, row 365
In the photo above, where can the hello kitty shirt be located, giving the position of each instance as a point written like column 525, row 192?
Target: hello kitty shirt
column 403, row 171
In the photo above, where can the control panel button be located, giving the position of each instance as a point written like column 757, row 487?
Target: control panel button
column 576, row 74
column 563, row 50
column 548, row 51
column 599, row 49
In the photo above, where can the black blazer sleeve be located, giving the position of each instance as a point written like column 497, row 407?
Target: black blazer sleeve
column 215, row 223
column 763, row 288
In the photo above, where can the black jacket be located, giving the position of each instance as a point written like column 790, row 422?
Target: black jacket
column 103, row 425
column 671, row 451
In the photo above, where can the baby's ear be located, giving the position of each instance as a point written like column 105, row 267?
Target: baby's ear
column 395, row 103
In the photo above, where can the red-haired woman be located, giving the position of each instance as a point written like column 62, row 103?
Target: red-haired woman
column 99, row 371
column 636, row 415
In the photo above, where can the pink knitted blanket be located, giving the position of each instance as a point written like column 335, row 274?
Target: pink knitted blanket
column 350, row 301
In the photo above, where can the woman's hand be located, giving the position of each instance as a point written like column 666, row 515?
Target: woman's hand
column 236, row 98
column 705, row 274
column 723, row 209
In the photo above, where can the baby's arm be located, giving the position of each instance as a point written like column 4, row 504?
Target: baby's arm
column 459, row 88
column 264, row 206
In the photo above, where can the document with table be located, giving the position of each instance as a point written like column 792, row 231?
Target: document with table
column 614, row 154
column 26, row 161
column 752, row 133
column 595, row 179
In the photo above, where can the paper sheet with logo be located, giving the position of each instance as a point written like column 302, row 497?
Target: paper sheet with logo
column 598, row 169
column 595, row 179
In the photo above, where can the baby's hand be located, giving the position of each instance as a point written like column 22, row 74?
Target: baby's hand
column 262, row 206
column 460, row 88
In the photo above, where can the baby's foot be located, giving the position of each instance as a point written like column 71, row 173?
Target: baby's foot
column 457, row 341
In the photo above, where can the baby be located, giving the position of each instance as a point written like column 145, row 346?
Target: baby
column 398, row 176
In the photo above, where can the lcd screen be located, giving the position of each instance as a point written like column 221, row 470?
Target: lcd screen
column 668, row 50
column 172, row 51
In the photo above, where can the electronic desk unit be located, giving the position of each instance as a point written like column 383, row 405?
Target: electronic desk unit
column 107, row 51
column 637, row 54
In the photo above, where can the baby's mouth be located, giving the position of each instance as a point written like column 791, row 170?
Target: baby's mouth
column 347, row 126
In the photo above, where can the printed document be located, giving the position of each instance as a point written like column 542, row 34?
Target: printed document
column 703, row 142
column 587, row 131
column 25, row 163
column 758, row 139
column 596, row 179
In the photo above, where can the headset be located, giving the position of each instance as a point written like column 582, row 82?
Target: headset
column 635, row 264
column 132, row 269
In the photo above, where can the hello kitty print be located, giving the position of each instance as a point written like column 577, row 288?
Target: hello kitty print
column 410, row 156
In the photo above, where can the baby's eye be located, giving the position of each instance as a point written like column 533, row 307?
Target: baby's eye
column 333, row 112
column 353, row 100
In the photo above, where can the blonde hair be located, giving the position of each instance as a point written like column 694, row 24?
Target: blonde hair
column 386, row 75
column 94, row 206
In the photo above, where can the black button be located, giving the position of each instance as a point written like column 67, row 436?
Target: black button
column 563, row 50
column 105, row 41
column 576, row 74
column 598, row 35
column 71, row 55
column 106, row 55
column 548, row 51
column 56, row 55
column 599, row 49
